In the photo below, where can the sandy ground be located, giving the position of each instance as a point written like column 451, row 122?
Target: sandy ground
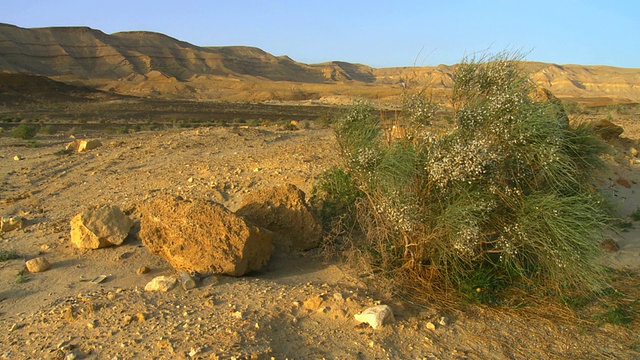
column 300, row 306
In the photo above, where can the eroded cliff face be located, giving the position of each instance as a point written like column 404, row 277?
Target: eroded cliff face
column 144, row 63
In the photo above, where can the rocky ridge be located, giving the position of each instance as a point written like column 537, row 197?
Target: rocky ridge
column 141, row 63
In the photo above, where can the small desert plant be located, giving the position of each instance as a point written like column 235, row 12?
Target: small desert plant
column 24, row 131
column 505, row 195
column 21, row 278
column 49, row 129
column 8, row 255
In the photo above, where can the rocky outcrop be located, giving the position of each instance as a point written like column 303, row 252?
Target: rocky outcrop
column 142, row 63
column 83, row 145
column 100, row 227
column 607, row 130
column 203, row 236
column 283, row 210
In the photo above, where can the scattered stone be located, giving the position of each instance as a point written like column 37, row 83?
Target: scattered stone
column 38, row 264
column 623, row 182
column 443, row 321
column 70, row 356
column 376, row 316
column 187, row 280
column 283, row 210
column 203, row 236
column 338, row 297
column 16, row 326
column 98, row 279
column 161, row 283
column 18, row 158
column 142, row 270
column 313, row 303
column 100, row 227
column 431, row 326
column 607, row 130
column 10, row 222
column 83, row 145
column 634, row 152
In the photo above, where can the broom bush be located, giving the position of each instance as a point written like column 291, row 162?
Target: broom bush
column 505, row 194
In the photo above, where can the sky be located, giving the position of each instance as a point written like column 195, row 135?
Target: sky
column 375, row 32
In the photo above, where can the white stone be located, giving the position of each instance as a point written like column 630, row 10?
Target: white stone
column 376, row 316
column 161, row 283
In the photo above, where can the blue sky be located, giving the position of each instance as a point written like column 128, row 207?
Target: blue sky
column 376, row 33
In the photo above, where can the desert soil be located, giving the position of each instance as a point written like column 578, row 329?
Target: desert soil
column 300, row 306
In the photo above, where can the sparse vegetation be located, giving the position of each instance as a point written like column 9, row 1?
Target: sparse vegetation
column 21, row 278
column 504, row 196
column 6, row 255
column 49, row 129
column 24, row 131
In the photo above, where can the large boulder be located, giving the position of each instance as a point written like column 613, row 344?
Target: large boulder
column 283, row 210
column 100, row 227
column 203, row 236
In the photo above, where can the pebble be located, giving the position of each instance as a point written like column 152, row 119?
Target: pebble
column 443, row 321
column 142, row 270
column 37, row 265
column 431, row 326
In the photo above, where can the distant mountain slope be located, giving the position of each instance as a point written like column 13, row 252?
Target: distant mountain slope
column 144, row 63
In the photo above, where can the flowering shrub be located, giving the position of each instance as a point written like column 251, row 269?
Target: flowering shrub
column 508, row 188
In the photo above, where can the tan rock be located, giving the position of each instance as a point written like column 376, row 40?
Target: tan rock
column 161, row 283
column 283, row 210
column 100, row 227
column 83, row 145
column 9, row 223
column 607, row 130
column 203, row 236
column 37, row 265
column 142, row 270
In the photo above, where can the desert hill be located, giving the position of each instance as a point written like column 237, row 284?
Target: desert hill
column 149, row 64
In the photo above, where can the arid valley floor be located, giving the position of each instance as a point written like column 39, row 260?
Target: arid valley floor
column 300, row 306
